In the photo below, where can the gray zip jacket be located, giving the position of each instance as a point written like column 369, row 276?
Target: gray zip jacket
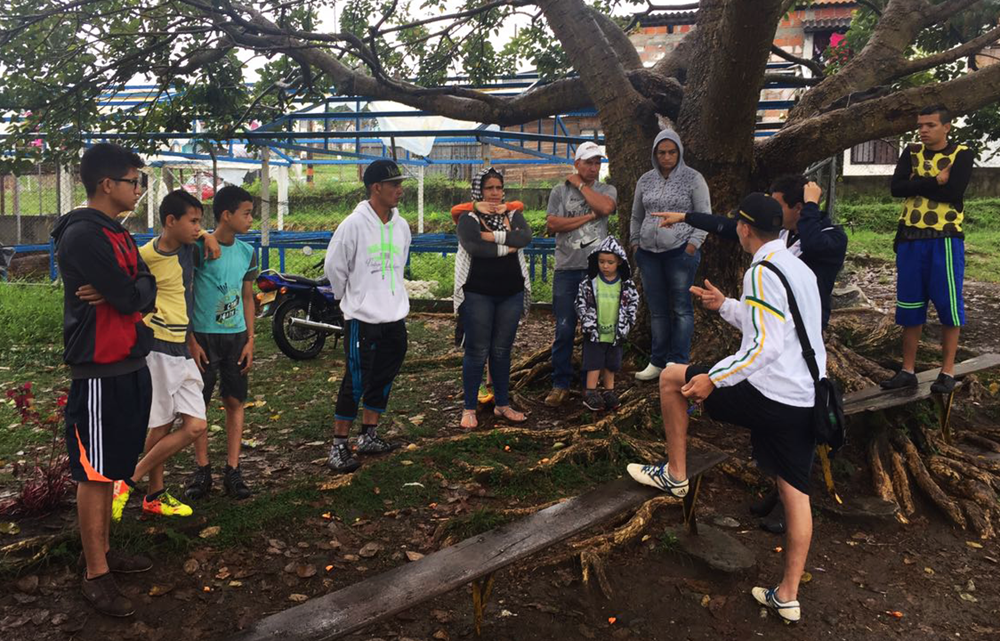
column 685, row 190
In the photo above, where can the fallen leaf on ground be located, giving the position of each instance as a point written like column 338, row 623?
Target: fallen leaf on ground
column 965, row 596
column 236, row 584
column 329, row 567
column 929, row 571
column 974, row 545
column 305, row 570
column 9, row 527
column 223, row 574
column 370, row 550
column 298, row 598
column 414, row 556
column 611, row 620
column 209, row 532
column 806, row 577
column 191, row 566
column 417, row 420
column 160, row 590
column 895, row 614
column 705, row 600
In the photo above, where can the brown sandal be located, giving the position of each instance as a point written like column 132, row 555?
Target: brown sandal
column 469, row 420
column 510, row 414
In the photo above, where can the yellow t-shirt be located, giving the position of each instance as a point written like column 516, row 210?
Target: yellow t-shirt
column 174, row 274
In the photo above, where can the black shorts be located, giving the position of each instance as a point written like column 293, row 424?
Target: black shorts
column 223, row 351
column 598, row 356
column 106, row 421
column 375, row 353
column 782, row 436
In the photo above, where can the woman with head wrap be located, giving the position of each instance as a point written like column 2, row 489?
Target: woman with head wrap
column 492, row 291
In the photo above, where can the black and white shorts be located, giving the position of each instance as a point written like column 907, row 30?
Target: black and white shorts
column 106, row 421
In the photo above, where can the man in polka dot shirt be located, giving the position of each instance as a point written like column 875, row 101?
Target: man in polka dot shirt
column 930, row 252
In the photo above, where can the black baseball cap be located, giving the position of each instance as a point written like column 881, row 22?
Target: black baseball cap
column 382, row 171
column 760, row 211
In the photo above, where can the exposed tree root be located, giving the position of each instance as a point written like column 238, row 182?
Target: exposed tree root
column 981, row 442
column 901, row 483
column 926, row 484
column 11, row 555
column 881, row 481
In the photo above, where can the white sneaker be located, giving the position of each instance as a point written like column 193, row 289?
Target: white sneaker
column 651, row 373
column 657, row 476
column 789, row 611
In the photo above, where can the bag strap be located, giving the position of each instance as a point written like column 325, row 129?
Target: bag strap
column 807, row 351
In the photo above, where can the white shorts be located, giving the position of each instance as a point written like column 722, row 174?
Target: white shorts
column 177, row 388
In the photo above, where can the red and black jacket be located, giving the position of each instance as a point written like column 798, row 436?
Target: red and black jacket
column 107, row 339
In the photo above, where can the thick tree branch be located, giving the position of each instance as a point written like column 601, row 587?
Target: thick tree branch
column 883, row 59
column 675, row 64
column 812, row 65
column 619, row 42
column 967, row 49
column 802, row 143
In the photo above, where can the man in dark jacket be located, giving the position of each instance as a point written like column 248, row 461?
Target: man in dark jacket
column 107, row 288
column 808, row 232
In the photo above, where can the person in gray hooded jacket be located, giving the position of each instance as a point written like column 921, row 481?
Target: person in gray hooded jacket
column 668, row 257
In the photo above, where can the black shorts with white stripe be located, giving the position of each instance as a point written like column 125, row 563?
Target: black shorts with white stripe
column 106, row 421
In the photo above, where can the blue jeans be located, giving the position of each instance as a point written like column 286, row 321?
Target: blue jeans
column 565, row 284
column 490, row 327
column 667, row 278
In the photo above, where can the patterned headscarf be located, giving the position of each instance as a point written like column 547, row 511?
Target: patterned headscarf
column 494, row 222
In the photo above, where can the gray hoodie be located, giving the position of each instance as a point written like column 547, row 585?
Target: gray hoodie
column 685, row 190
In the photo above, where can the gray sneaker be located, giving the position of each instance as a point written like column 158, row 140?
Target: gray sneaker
column 341, row 460
column 372, row 443
column 593, row 401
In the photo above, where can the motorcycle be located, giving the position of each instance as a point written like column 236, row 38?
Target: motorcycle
column 304, row 312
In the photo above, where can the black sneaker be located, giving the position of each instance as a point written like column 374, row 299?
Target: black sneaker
column 611, row 401
column 199, row 484
column 765, row 505
column 372, row 443
column 775, row 521
column 104, row 594
column 341, row 460
column 593, row 401
column 234, row 485
column 900, row 380
column 944, row 384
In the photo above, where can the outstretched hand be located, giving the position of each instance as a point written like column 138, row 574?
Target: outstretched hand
column 710, row 296
column 669, row 218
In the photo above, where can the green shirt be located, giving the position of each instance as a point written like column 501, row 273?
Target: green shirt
column 608, row 299
column 218, row 288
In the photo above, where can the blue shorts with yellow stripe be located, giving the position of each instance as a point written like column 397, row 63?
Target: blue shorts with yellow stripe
column 930, row 269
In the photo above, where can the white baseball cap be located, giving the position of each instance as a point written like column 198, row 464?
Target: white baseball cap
column 588, row 150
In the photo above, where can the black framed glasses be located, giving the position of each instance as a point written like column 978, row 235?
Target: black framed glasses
column 135, row 182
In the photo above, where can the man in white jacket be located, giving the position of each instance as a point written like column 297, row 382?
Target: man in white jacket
column 365, row 263
column 765, row 386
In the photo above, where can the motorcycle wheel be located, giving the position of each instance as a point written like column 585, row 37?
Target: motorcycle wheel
column 298, row 343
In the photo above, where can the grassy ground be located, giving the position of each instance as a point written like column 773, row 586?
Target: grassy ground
column 288, row 422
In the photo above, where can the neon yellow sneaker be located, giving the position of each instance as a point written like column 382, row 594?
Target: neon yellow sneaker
column 166, row 505
column 120, row 495
column 485, row 394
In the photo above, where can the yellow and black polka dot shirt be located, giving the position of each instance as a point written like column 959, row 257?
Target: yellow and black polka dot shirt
column 931, row 210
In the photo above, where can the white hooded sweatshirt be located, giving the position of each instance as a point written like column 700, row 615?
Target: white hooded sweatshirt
column 365, row 263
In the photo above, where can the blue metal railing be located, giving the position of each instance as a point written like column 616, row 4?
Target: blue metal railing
column 539, row 251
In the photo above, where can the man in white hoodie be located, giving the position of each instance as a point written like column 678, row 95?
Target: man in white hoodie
column 365, row 263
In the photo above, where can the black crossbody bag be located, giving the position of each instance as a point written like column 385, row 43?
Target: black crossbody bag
column 828, row 411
